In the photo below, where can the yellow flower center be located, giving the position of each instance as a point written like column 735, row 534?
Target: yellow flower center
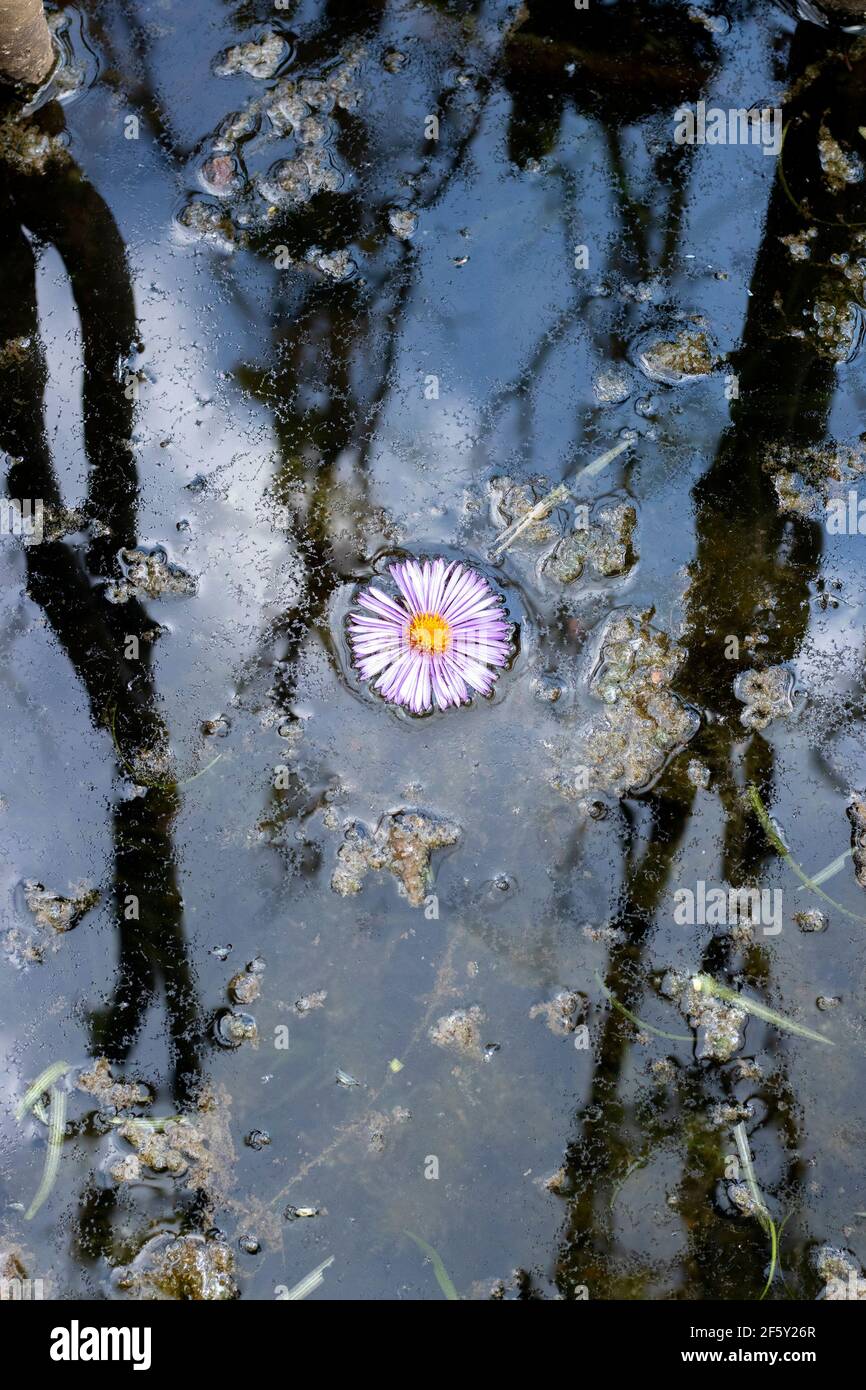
column 429, row 633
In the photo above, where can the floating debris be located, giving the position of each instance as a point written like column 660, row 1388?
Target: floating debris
column 111, row 1094
column 829, row 871
column 686, row 358
column 562, row 1013
column 258, row 59
column 605, row 544
column 308, row 1002
column 547, row 687
column 512, row 501
column 202, row 221
column 757, row 1207
column 196, row 1146
column 719, row 1025
column 856, row 813
column 563, row 493
column 698, row 774
column 336, row 265
column 812, row 920
column 403, row 223
column 246, row 986
column 643, row 723
column 844, row 1280
column 221, row 176
column 638, row 1022
column 402, row 844
column 612, row 385
column 51, row 910
column 841, row 167
column 302, row 1213
column 232, row 1028
column 380, row 1125
column 460, row 1030
column 150, row 574
column 779, row 845
column 798, row 243
column 44, row 1081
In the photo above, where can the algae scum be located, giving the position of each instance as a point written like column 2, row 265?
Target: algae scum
column 301, row 995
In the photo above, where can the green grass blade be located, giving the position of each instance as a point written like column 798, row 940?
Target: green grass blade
column 310, row 1282
column 757, row 1195
column 829, row 871
column 762, row 1215
column 44, row 1081
column 442, row 1278
column 633, row 1018
column 778, row 844
column 56, row 1132
column 186, row 781
column 774, row 1252
column 759, row 1010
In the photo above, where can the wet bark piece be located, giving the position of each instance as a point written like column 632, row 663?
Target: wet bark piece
column 857, row 817
column 847, row 7
column 26, row 51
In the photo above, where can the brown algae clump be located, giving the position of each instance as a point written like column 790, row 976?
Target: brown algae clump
column 187, row 1268
column 111, row 1094
column 766, row 695
column 719, row 1024
column 402, row 844
column 460, row 1030
column 562, row 1013
column 684, row 358
column 150, row 574
column 50, row 910
column 643, row 722
column 605, row 544
column 259, row 60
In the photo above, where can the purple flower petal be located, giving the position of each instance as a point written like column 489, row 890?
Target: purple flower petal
column 443, row 637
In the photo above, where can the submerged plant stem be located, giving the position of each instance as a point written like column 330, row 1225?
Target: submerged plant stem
column 763, row 1216
column 633, row 1018
column 779, row 845
column 553, row 499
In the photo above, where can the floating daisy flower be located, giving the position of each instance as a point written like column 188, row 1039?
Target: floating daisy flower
column 442, row 640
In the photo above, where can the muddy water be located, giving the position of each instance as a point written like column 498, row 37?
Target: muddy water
column 274, row 332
